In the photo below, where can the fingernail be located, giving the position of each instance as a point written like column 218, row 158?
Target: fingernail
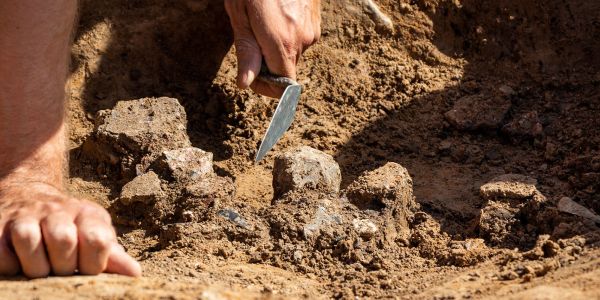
column 249, row 78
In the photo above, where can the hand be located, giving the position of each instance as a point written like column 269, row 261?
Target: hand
column 43, row 230
column 278, row 31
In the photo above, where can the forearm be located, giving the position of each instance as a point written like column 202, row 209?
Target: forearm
column 33, row 71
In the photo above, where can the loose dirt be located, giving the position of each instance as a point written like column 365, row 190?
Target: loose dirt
column 457, row 128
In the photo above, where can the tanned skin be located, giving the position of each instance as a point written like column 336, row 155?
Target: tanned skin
column 43, row 230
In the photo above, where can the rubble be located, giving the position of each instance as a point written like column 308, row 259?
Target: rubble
column 185, row 164
column 134, row 133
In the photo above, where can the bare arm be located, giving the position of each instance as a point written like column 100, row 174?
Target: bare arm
column 42, row 229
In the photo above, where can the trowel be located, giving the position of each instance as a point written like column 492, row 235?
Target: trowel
column 284, row 113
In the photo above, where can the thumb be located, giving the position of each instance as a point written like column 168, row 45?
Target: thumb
column 249, row 59
column 119, row 262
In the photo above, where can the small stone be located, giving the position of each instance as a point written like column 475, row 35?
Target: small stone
column 185, row 164
column 188, row 216
column 306, row 168
column 365, row 228
column 298, row 255
column 512, row 186
column 144, row 188
column 509, row 275
column 478, row 112
column 234, row 217
column 506, row 90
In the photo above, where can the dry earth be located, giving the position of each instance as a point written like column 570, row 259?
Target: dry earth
column 457, row 128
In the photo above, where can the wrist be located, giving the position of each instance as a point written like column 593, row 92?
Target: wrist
column 43, row 162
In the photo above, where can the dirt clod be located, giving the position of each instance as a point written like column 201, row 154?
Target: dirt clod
column 389, row 186
column 478, row 112
column 512, row 186
column 305, row 168
column 144, row 188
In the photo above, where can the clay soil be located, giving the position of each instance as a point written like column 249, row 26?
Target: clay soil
column 527, row 73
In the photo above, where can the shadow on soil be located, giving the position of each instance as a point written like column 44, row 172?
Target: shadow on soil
column 161, row 48
column 543, row 52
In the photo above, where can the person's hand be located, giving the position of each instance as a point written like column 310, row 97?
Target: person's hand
column 278, row 31
column 44, row 231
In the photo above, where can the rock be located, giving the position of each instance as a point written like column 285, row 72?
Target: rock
column 144, row 188
column 185, row 164
column 513, row 186
column 527, row 125
column 478, row 112
column 135, row 132
column 365, row 228
column 306, row 168
column 388, row 186
column 234, row 217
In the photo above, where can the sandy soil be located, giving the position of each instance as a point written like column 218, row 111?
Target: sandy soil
column 456, row 92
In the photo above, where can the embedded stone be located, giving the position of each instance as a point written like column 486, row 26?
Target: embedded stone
column 144, row 188
column 305, row 168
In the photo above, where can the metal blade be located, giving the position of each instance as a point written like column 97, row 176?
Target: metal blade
column 281, row 121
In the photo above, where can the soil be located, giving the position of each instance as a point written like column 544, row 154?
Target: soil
column 418, row 115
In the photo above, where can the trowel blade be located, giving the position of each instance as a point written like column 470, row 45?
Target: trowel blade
column 281, row 121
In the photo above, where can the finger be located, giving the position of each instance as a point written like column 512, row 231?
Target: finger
column 26, row 238
column 247, row 50
column 280, row 47
column 96, row 237
column 9, row 263
column 60, row 236
column 119, row 262
column 267, row 89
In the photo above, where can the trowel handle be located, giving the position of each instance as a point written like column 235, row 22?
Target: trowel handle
column 266, row 76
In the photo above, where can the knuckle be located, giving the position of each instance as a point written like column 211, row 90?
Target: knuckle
column 25, row 233
column 98, row 238
column 64, row 236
